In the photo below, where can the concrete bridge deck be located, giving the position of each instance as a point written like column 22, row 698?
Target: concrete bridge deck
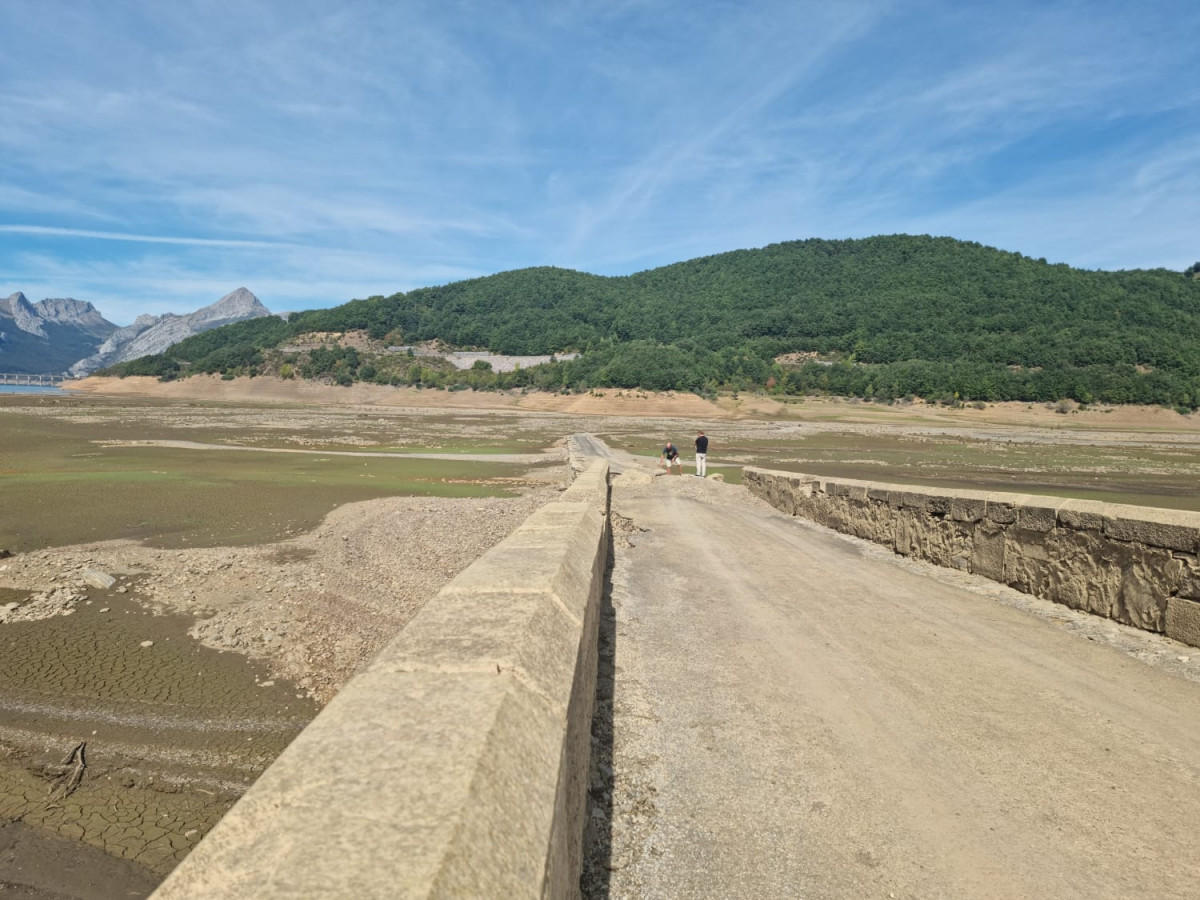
column 800, row 714
column 24, row 378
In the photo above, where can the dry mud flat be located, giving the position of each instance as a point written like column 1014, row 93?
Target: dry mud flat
column 192, row 671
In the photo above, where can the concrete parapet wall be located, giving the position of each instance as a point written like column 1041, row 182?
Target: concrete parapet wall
column 456, row 764
column 1135, row 564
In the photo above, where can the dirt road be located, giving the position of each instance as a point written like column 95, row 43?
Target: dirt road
column 799, row 715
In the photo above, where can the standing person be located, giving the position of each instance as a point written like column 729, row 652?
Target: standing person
column 701, row 454
column 669, row 455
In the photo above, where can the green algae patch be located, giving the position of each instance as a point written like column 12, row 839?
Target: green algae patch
column 65, row 484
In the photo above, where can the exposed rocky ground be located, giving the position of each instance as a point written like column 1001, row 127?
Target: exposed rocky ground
column 316, row 607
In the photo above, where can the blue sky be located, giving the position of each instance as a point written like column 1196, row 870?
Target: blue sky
column 154, row 156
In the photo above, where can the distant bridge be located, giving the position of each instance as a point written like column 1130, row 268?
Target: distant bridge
column 24, row 378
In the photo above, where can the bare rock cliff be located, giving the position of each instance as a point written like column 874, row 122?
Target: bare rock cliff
column 47, row 336
column 149, row 335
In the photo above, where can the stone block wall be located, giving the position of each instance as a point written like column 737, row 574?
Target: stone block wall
column 456, row 764
column 1134, row 564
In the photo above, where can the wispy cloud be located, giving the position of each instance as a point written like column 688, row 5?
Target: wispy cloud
column 50, row 231
column 160, row 154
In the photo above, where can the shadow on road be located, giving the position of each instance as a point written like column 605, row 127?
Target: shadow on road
column 597, row 836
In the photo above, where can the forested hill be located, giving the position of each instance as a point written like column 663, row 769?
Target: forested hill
column 888, row 316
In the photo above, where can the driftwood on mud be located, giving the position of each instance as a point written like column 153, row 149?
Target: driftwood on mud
column 68, row 775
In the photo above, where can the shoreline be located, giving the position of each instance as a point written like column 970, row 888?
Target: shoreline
column 635, row 403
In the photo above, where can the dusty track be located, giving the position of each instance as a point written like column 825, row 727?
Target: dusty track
column 799, row 715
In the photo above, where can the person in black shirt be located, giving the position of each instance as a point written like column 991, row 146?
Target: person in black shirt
column 701, row 454
column 670, row 454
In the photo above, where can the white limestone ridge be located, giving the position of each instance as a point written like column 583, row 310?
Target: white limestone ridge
column 150, row 335
column 75, row 314
column 23, row 314
column 32, row 318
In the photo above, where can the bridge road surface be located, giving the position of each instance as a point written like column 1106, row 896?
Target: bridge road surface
column 800, row 714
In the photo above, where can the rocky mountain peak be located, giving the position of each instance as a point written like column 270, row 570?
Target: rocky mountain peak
column 74, row 313
column 239, row 304
column 23, row 314
column 149, row 335
column 47, row 336
column 8, row 303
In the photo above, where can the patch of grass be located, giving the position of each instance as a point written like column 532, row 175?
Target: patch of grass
column 60, row 488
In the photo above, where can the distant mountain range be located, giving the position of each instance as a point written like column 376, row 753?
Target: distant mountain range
column 64, row 335
column 48, row 336
column 149, row 335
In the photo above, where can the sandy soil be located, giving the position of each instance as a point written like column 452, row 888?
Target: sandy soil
column 635, row 403
column 314, row 608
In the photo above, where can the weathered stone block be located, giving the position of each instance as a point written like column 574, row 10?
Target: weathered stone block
column 937, row 505
column 1028, row 563
column 1084, row 515
column 532, row 562
column 1000, row 511
column 967, row 509
column 403, row 783
column 1147, row 581
column 987, row 552
column 1037, row 517
column 1183, row 620
column 1079, row 576
column 928, row 502
column 855, row 491
column 904, row 536
column 1189, row 584
column 493, row 632
column 1173, row 529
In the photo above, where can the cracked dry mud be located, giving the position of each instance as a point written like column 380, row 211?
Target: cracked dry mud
column 197, row 667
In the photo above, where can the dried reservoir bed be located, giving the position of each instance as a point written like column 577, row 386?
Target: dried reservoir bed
column 133, row 716
column 265, row 579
